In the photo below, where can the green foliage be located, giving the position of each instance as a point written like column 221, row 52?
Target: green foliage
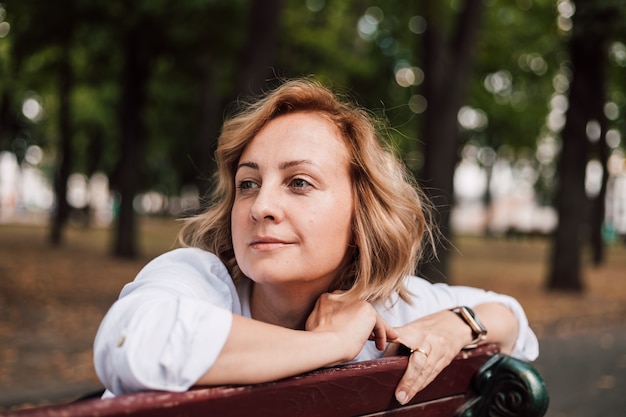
column 519, row 41
column 520, row 47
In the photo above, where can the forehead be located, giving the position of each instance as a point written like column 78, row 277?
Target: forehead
column 301, row 135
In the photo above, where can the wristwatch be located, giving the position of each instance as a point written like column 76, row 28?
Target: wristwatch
column 479, row 332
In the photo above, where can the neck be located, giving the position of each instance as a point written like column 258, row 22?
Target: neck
column 286, row 307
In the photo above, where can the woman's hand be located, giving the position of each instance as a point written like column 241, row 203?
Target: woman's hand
column 434, row 341
column 352, row 321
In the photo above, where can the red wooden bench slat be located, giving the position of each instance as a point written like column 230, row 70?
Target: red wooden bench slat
column 443, row 407
column 365, row 388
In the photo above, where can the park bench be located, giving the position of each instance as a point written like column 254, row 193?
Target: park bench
column 479, row 382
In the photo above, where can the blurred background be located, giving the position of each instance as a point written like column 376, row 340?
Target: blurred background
column 510, row 114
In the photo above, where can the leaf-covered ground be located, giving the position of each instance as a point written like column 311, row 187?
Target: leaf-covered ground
column 52, row 299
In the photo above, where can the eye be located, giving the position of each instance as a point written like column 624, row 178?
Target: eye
column 247, row 185
column 299, row 183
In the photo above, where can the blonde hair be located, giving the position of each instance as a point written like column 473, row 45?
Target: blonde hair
column 390, row 222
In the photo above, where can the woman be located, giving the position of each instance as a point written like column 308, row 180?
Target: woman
column 304, row 260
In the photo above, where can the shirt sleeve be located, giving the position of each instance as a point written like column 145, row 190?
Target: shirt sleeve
column 428, row 298
column 168, row 326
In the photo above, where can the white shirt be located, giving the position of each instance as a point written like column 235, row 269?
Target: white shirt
column 169, row 325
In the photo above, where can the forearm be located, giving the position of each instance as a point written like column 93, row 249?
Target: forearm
column 259, row 352
column 501, row 324
column 451, row 331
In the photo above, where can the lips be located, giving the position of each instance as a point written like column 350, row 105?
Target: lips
column 267, row 243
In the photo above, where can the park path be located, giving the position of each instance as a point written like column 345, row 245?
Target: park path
column 585, row 373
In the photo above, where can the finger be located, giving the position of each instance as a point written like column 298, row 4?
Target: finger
column 337, row 294
column 404, row 339
column 380, row 334
column 419, row 373
column 408, row 385
column 392, row 334
column 383, row 332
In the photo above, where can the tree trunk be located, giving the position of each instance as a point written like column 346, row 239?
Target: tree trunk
column 134, row 84
column 598, row 203
column 255, row 64
column 208, row 128
column 447, row 67
column 587, row 56
column 597, row 62
column 259, row 50
column 571, row 202
column 8, row 120
column 61, row 211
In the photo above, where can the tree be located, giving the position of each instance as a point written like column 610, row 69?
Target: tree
column 447, row 68
column 612, row 26
column 253, row 66
column 66, row 152
column 137, row 57
column 588, row 50
column 9, row 120
column 49, row 30
column 257, row 56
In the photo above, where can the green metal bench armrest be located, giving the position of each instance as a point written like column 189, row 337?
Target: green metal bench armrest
column 506, row 386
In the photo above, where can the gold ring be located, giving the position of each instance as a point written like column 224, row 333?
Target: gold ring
column 420, row 350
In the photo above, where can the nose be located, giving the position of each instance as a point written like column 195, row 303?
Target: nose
column 267, row 204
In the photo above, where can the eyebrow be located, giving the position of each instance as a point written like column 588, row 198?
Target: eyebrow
column 290, row 164
column 284, row 165
column 249, row 165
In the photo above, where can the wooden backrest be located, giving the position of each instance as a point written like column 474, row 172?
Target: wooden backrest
column 478, row 382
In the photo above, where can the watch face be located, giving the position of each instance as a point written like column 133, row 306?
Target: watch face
column 479, row 324
column 479, row 332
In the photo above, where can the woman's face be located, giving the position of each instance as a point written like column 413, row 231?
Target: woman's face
column 292, row 214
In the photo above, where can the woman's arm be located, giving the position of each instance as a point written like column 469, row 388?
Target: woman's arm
column 501, row 325
column 154, row 341
column 259, row 352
